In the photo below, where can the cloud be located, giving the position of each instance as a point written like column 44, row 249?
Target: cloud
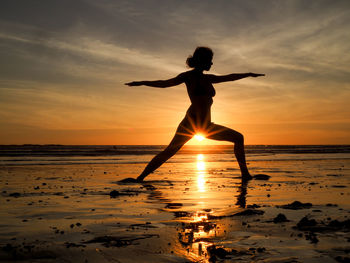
column 63, row 63
column 100, row 51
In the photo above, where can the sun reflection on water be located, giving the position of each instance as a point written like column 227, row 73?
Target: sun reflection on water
column 200, row 229
column 201, row 173
column 200, row 157
column 200, row 166
column 196, row 235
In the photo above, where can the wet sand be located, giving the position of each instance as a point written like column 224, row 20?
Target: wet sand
column 185, row 212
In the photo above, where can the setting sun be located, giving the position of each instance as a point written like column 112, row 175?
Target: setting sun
column 199, row 137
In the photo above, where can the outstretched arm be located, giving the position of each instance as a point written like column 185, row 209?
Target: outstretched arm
column 232, row 77
column 159, row 83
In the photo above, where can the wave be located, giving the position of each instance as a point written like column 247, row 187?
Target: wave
column 122, row 150
column 179, row 158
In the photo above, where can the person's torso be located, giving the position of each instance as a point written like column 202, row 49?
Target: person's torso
column 201, row 93
column 199, row 89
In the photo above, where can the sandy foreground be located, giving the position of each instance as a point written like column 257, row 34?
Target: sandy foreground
column 187, row 212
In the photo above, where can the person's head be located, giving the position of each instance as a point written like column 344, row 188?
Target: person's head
column 201, row 58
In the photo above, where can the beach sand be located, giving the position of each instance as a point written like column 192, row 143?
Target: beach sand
column 185, row 212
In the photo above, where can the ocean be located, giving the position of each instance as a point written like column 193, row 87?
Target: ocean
column 138, row 154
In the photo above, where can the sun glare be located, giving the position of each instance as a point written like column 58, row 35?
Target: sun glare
column 199, row 137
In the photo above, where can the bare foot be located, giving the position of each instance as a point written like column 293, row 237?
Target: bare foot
column 246, row 177
column 261, row 177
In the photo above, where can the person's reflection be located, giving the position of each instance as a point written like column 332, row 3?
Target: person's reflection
column 157, row 194
column 242, row 197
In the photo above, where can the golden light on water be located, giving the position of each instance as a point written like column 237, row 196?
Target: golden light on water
column 200, row 162
column 200, row 217
column 201, row 182
column 201, row 173
column 200, row 157
column 200, row 166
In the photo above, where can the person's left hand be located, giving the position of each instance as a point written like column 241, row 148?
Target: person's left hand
column 134, row 83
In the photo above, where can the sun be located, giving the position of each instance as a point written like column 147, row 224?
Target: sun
column 199, row 137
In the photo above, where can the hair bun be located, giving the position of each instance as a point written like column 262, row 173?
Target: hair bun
column 190, row 62
column 200, row 57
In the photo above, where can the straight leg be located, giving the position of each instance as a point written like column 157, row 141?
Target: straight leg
column 222, row 133
column 181, row 137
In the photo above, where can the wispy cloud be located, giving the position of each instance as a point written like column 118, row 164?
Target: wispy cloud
column 65, row 69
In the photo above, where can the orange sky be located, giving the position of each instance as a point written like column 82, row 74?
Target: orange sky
column 63, row 65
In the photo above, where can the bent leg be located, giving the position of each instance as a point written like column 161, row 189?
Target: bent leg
column 180, row 138
column 222, row 133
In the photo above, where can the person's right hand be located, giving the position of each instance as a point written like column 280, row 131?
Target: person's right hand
column 134, row 83
column 254, row 75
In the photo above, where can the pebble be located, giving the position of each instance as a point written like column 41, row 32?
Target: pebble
column 280, row 218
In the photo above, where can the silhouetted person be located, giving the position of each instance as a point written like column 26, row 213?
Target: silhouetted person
column 197, row 119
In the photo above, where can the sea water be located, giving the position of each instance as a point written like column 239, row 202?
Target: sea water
column 138, row 154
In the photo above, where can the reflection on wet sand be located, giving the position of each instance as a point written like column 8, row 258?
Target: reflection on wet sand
column 242, row 197
column 198, row 231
